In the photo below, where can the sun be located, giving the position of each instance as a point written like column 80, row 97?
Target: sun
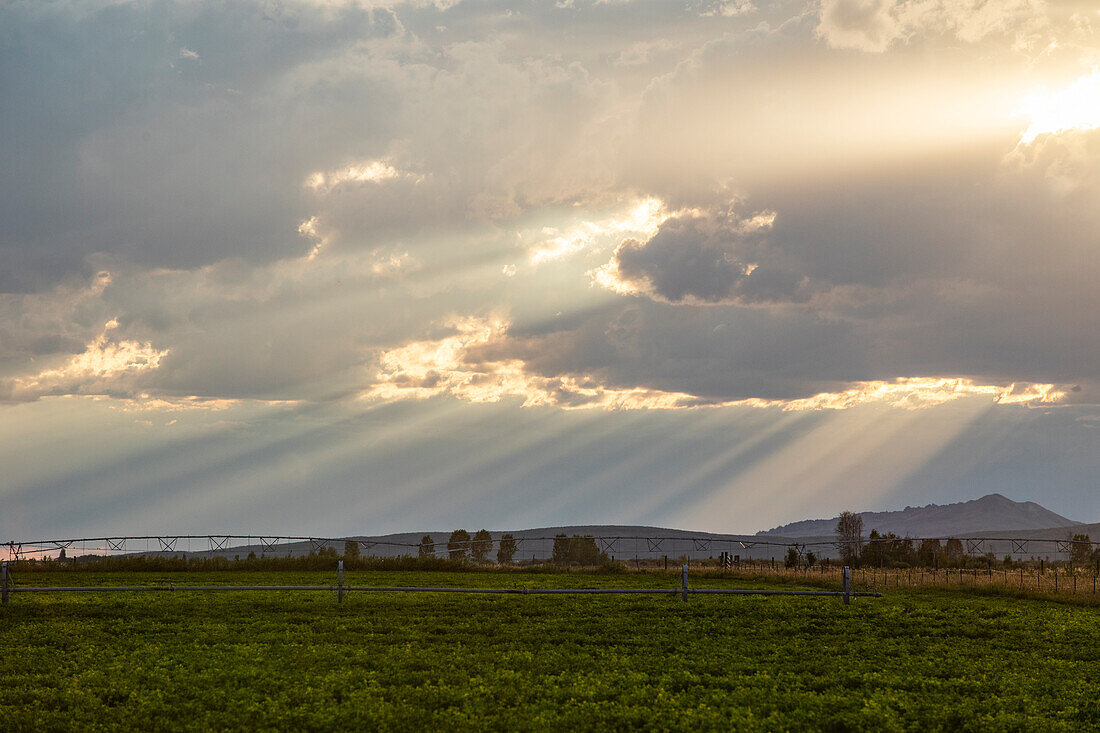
column 1077, row 107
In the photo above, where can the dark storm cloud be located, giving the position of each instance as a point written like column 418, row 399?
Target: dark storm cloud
column 700, row 259
column 720, row 353
column 974, row 265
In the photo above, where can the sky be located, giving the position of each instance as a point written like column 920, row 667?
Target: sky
column 333, row 267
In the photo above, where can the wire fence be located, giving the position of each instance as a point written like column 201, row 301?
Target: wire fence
column 9, row 588
column 1041, row 578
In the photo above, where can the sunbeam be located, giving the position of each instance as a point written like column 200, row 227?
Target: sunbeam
column 852, row 458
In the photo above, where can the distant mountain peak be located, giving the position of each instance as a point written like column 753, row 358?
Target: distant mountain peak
column 987, row 513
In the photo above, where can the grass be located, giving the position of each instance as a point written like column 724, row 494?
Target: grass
column 920, row 659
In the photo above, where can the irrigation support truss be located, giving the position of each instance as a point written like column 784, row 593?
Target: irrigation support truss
column 625, row 546
column 846, row 594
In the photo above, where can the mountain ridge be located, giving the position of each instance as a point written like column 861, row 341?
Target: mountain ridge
column 990, row 513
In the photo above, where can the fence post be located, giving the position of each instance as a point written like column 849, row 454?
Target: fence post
column 340, row 581
column 684, row 583
column 847, row 586
column 4, row 582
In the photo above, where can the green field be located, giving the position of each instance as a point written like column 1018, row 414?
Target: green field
column 922, row 659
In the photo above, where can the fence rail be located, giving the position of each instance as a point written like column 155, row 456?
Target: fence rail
column 846, row 593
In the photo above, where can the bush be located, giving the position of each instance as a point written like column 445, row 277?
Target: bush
column 577, row 550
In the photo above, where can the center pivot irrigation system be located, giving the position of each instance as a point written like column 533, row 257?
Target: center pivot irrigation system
column 635, row 547
column 9, row 588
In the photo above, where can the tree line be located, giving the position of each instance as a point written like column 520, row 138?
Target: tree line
column 460, row 546
column 890, row 550
column 575, row 550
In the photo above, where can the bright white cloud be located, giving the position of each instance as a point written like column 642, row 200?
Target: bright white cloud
column 640, row 218
column 308, row 228
column 1076, row 107
column 919, row 392
column 367, row 171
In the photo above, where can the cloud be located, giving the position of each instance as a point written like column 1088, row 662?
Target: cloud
column 224, row 331
column 469, row 366
column 106, row 366
column 367, row 171
column 346, row 176
column 728, row 8
column 927, row 269
column 1076, row 107
column 703, row 259
column 866, row 25
column 452, row 366
column 639, row 217
column 55, row 323
column 875, row 25
column 920, row 392
column 725, row 219
column 1063, row 167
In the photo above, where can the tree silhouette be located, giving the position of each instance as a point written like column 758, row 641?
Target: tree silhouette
column 955, row 550
column 459, row 544
column 560, row 555
column 930, row 553
column 506, row 550
column 427, row 546
column 1080, row 550
column 482, row 545
column 849, row 537
column 576, row 550
column 875, row 550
